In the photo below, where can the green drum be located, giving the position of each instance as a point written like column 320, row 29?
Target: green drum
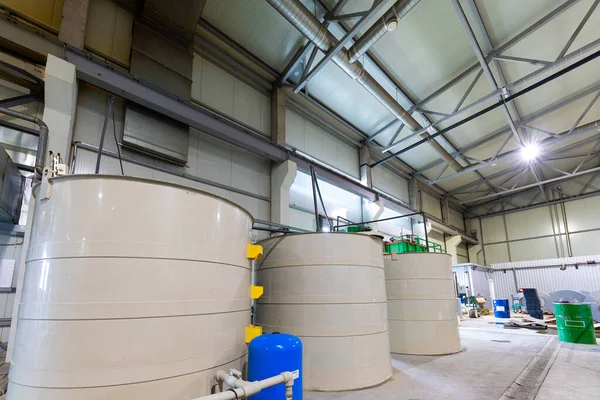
column 575, row 323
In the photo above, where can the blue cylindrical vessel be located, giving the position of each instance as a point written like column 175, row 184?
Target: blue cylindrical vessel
column 271, row 354
column 501, row 308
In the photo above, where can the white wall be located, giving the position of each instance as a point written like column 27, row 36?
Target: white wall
column 216, row 162
column 431, row 205
column 539, row 233
column 390, row 183
column 221, row 91
column 321, row 145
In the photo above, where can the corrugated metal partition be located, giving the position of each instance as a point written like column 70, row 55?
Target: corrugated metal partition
column 547, row 279
column 504, row 284
column 586, row 277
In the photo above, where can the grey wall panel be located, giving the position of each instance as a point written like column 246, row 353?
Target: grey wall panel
column 529, row 223
column 585, row 243
column 431, row 205
column 533, row 249
column 583, row 214
column 456, row 219
column 496, row 253
column 221, row 91
column 156, row 134
column 314, row 141
column 493, row 230
column 390, row 183
column 157, row 74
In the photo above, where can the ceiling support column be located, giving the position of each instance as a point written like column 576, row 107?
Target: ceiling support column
column 282, row 177
column 446, row 211
column 451, row 245
column 60, row 101
column 74, row 20
column 366, row 177
column 278, row 116
column 413, row 194
column 473, row 253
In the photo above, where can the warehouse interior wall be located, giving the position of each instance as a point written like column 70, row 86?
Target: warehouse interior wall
column 566, row 229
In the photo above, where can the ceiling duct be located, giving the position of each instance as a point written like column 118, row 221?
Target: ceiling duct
column 309, row 26
column 385, row 24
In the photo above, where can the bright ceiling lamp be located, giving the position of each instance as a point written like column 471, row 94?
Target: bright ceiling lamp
column 530, row 152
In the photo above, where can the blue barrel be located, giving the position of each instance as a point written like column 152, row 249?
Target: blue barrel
column 501, row 308
column 271, row 354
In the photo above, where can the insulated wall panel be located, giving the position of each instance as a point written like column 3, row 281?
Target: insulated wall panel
column 109, row 30
column 323, row 146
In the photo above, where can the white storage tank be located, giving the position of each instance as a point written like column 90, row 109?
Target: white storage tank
column 421, row 304
column 134, row 289
column 329, row 290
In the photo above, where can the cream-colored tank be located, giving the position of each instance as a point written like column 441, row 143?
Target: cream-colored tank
column 421, row 304
column 329, row 290
column 134, row 289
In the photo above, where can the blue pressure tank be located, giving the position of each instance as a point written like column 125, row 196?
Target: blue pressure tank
column 271, row 354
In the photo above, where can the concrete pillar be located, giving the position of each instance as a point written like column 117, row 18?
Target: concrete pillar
column 366, row 178
column 73, row 22
column 278, row 117
column 473, row 252
column 451, row 245
column 60, row 101
column 468, row 228
column 282, row 177
column 381, row 204
column 445, row 211
column 413, row 194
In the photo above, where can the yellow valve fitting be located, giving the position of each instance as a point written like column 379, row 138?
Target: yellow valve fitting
column 252, row 331
column 255, row 251
column 256, row 291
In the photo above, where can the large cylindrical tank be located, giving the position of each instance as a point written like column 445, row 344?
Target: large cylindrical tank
column 134, row 289
column 421, row 304
column 271, row 354
column 329, row 290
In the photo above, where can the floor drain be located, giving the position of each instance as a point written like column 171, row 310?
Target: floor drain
column 501, row 341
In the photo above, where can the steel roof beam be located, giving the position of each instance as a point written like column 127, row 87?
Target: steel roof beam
column 523, row 122
column 542, row 82
column 522, row 35
column 522, row 60
column 584, row 20
column 378, row 5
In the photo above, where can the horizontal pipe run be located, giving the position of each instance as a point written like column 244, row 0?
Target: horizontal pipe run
column 500, row 103
column 303, row 20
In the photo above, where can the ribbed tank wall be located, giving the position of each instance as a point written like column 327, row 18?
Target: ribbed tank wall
column 134, row 289
column 421, row 304
column 329, row 290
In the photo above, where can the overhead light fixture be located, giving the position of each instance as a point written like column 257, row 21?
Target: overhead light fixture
column 530, row 152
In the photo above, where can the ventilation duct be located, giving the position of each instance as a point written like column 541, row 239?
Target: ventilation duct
column 302, row 19
column 385, row 24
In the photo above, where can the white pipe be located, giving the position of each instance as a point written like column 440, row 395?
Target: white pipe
column 243, row 389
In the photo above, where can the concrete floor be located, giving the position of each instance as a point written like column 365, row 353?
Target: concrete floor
column 495, row 363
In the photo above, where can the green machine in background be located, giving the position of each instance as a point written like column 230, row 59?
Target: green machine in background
column 575, row 323
column 411, row 244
